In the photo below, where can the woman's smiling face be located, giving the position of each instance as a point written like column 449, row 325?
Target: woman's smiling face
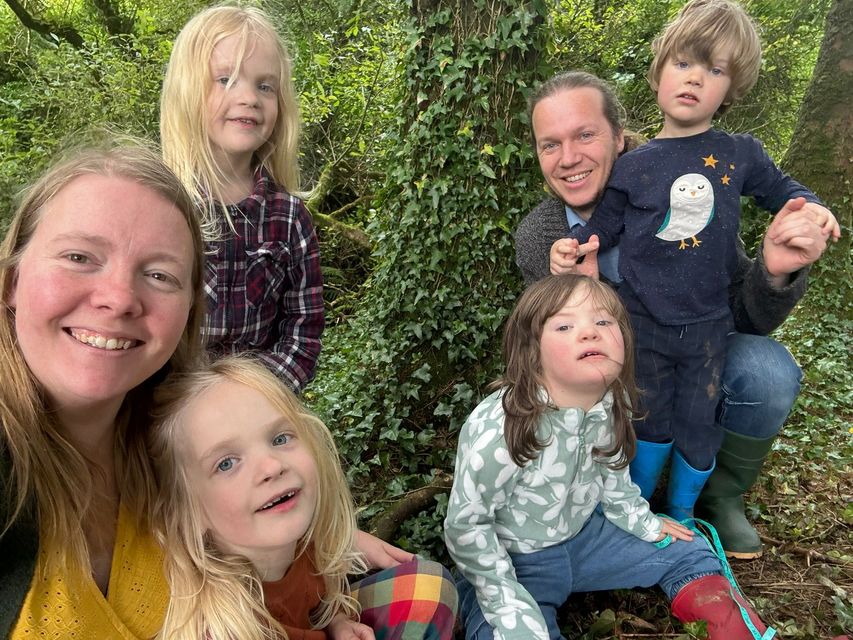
column 102, row 291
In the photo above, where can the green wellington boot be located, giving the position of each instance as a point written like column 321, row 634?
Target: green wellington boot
column 721, row 501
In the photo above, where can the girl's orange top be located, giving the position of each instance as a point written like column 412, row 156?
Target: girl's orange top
column 72, row 606
column 292, row 599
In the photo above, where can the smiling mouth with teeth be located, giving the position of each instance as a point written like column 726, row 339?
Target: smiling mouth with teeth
column 281, row 499
column 577, row 177
column 100, row 342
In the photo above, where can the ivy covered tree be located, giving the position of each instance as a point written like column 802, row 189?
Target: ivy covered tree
column 399, row 379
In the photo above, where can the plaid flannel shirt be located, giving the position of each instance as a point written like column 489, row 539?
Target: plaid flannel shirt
column 263, row 284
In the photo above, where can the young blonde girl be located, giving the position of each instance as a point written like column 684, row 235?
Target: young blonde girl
column 542, row 503
column 229, row 125
column 258, row 521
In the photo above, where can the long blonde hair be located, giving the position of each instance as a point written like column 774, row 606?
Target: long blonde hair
column 214, row 594
column 183, row 108
column 48, row 472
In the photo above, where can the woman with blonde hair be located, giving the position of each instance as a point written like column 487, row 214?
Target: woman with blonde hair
column 100, row 277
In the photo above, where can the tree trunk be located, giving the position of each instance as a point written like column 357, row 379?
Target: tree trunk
column 425, row 339
column 820, row 153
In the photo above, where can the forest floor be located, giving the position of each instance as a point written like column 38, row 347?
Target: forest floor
column 803, row 583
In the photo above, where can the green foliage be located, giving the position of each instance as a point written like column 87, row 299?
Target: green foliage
column 347, row 68
column 399, row 379
column 613, row 40
column 53, row 90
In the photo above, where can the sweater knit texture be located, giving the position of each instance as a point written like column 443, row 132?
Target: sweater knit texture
column 292, row 599
column 64, row 606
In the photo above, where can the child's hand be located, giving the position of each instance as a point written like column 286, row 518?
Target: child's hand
column 564, row 256
column 674, row 529
column 342, row 628
column 378, row 553
column 824, row 218
column 794, row 239
column 566, row 252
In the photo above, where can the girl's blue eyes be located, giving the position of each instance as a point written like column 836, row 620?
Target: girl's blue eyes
column 281, row 440
column 226, row 464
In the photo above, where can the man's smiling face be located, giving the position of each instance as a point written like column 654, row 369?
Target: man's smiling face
column 576, row 146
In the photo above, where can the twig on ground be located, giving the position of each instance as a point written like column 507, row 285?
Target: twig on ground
column 809, row 554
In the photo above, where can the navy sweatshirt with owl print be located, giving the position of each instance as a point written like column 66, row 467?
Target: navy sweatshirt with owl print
column 673, row 206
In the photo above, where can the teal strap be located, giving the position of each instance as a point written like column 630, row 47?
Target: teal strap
column 663, row 544
column 717, row 548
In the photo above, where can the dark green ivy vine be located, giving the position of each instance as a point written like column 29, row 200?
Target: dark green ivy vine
column 399, row 379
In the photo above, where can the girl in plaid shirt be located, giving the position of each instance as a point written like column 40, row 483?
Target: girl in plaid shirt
column 259, row 522
column 229, row 125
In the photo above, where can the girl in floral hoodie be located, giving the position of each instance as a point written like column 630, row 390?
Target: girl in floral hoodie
column 542, row 503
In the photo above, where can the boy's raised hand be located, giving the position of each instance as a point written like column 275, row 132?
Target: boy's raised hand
column 378, row 553
column 566, row 252
column 796, row 237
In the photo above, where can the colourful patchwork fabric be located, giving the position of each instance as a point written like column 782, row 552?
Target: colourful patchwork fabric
column 416, row 600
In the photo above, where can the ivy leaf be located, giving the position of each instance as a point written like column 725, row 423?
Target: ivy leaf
column 487, row 171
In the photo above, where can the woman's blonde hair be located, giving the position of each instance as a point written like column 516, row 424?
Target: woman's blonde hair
column 183, row 108
column 50, row 478
column 700, row 31
column 215, row 594
column 524, row 379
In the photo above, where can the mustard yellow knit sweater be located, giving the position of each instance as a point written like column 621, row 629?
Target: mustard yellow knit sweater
column 59, row 606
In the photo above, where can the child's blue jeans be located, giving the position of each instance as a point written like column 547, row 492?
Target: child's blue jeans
column 599, row 558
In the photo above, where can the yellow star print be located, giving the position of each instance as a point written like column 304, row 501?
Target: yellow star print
column 725, row 179
column 732, row 166
column 711, row 161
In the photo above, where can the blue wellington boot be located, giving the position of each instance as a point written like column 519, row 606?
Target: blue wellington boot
column 647, row 465
column 685, row 485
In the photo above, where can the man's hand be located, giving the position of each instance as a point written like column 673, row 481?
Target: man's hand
column 566, row 252
column 378, row 553
column 796, row 238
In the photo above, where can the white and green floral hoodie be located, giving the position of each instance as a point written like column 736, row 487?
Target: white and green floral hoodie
column 497, row 507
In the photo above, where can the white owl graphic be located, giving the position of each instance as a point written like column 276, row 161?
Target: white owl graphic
column 691, row 208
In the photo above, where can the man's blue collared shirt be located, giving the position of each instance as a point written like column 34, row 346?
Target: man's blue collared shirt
column 608, row 260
